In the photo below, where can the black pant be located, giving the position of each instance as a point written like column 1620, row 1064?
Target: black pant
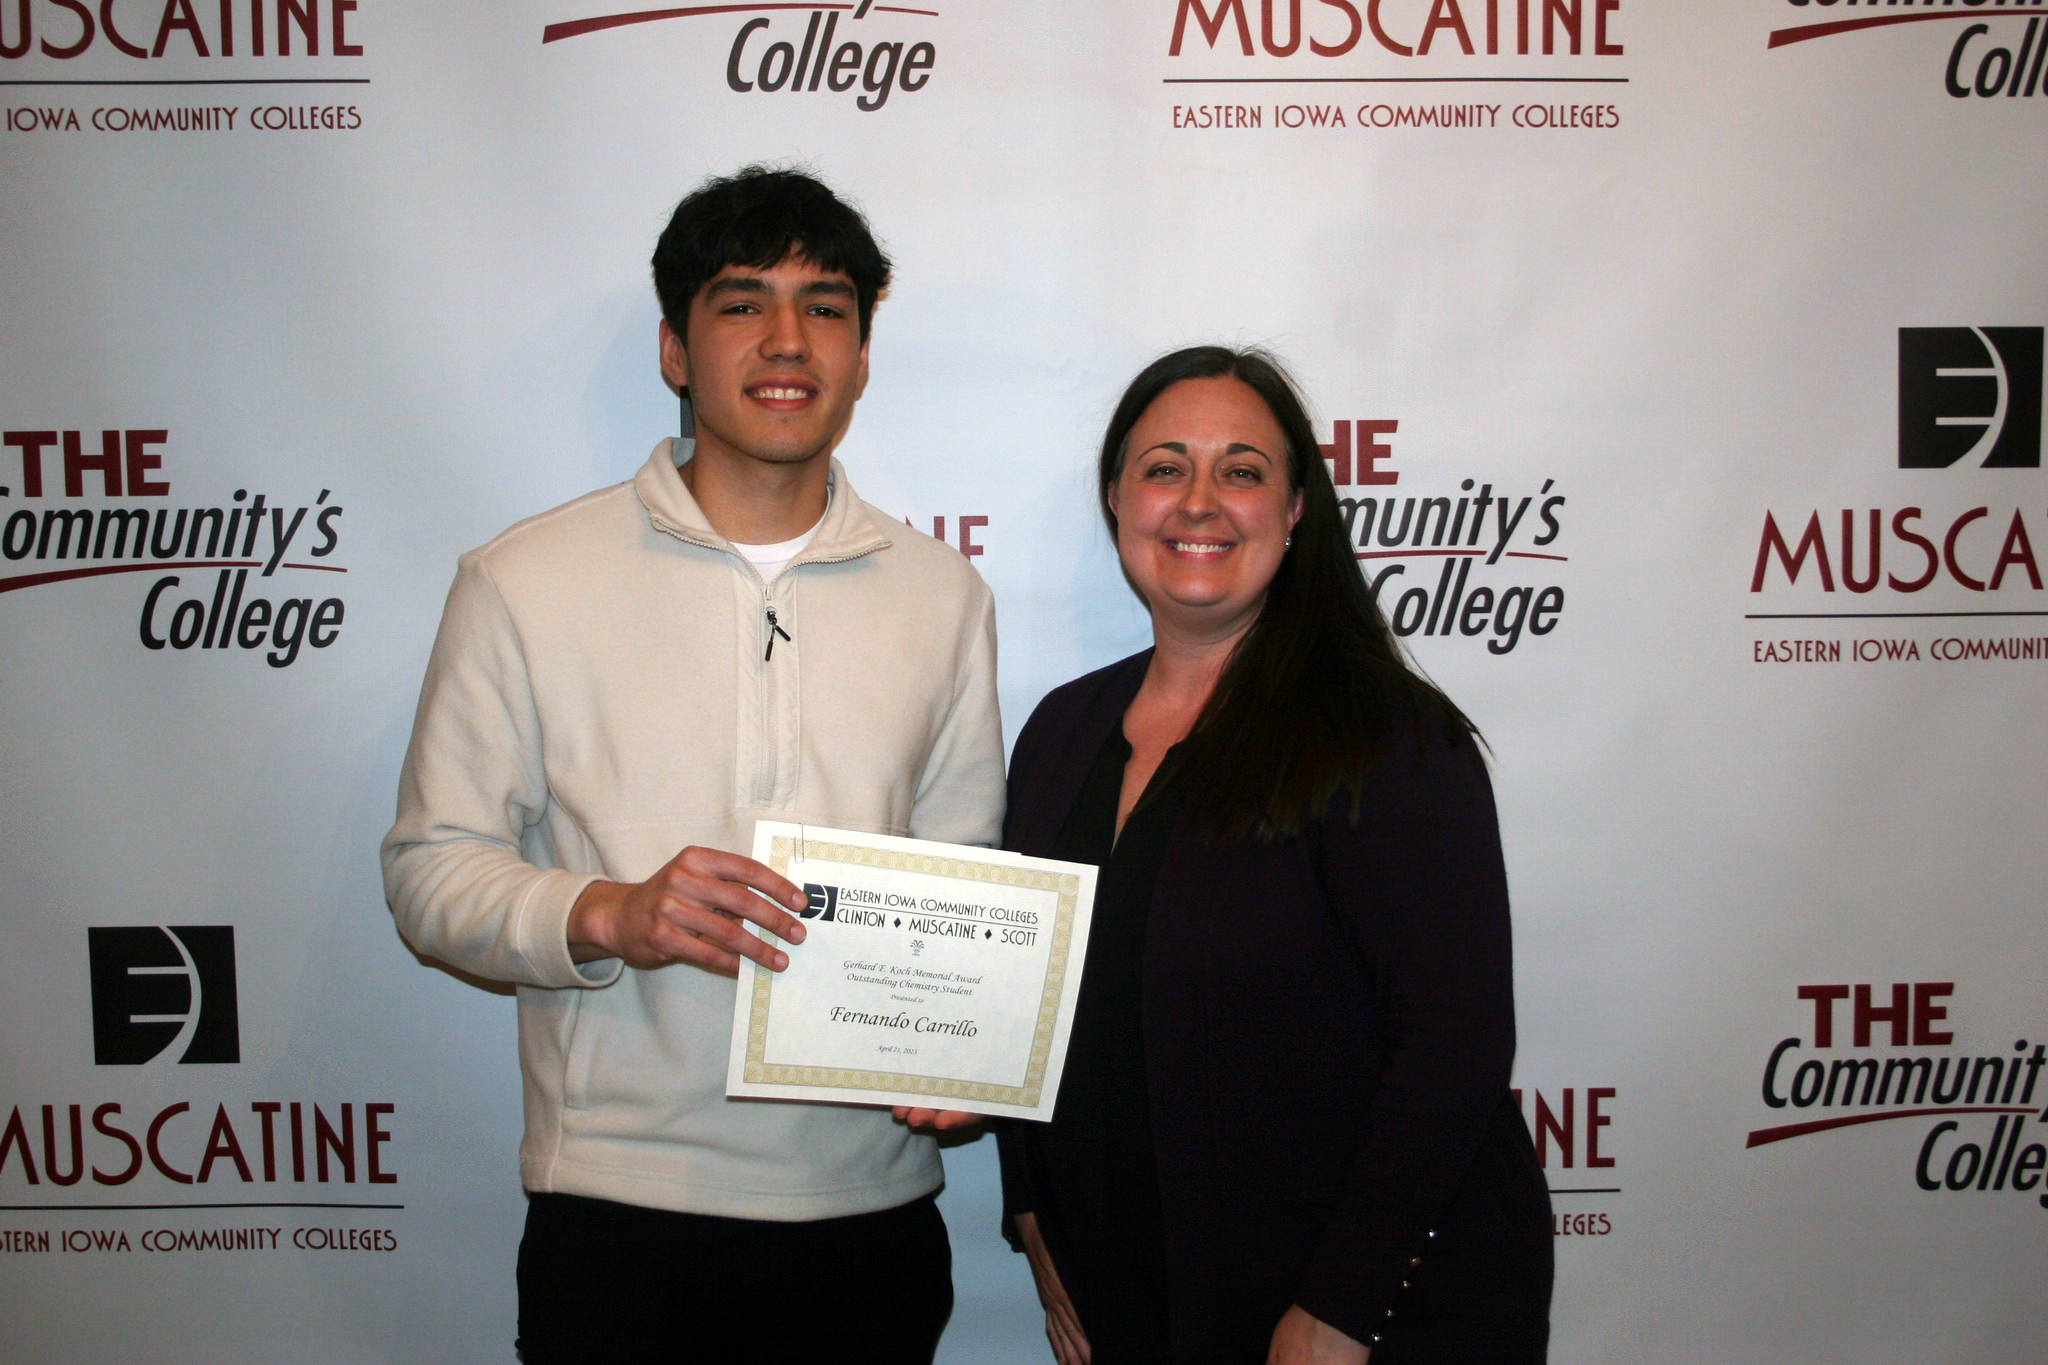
column 609, row 1282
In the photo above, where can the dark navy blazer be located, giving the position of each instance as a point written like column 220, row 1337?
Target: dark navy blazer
column 1329, row 1025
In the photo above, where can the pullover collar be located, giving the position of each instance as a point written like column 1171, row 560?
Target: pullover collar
column 848, row 531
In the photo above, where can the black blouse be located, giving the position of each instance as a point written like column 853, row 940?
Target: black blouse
column 1096, row 1153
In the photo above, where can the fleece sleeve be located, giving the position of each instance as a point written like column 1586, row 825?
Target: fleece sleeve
column 960, row 793
column 472, row 789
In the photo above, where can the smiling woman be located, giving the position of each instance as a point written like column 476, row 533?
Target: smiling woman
column 1204, row 507
column 1284, row 1132
column 1295, row 685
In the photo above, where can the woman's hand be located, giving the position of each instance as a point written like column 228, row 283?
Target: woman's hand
column 1062, row 1323
column 935, row 1120
column 1304, row 1340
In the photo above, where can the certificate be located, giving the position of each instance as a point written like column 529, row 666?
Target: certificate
column 932, row 975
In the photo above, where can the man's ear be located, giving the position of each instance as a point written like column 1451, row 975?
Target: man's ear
column 675, row 361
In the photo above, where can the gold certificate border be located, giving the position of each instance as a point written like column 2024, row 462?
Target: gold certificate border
column 782, row 848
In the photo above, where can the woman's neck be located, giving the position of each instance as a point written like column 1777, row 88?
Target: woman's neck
column 1177, row 684
column 1185, row 667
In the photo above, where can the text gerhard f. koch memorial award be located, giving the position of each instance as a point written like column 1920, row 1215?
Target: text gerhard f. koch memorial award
column 933, row 975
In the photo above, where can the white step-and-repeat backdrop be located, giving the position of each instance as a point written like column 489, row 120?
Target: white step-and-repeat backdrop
column 1682, row 363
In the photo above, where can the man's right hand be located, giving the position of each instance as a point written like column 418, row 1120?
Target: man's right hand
column 689, row 911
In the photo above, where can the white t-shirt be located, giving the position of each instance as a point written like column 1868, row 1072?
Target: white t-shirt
column 770, row 560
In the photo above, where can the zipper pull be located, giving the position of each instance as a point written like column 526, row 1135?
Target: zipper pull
column 773, row 631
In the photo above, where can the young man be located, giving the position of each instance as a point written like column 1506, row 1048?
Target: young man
column 621, row 688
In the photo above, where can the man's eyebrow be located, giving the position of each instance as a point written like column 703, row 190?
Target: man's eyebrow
column 729, row 285
column 736, row 284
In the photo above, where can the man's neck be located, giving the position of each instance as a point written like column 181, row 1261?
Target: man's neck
column 753, row 502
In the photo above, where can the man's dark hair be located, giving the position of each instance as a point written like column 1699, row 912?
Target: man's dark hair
column 1316, row 694
column 755, row 217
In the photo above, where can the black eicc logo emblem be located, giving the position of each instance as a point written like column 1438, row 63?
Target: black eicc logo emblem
column 1970, row 395
column 822, row 902
column 157, row 985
